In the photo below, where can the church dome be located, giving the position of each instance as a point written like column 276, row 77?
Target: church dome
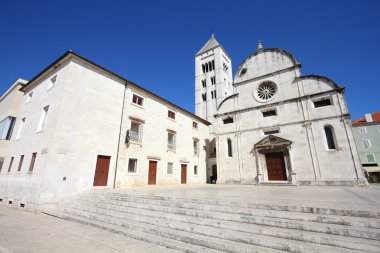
column 264, row 61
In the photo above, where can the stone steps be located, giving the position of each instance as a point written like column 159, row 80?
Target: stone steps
column 171, row 238
column 202, row 225
column 319, row 238
column 334, row 229
column 311, row 217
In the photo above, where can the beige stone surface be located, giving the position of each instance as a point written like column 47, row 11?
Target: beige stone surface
column 39, row 233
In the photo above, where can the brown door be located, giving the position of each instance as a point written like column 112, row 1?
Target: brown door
column 183, row 173
column 152, row 172
column 101, row 171
column 276, row 166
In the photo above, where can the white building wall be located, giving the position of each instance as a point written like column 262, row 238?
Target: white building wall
column 154, row 147
column 83, row 121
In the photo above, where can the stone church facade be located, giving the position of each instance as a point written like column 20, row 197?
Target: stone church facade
column 272, row 125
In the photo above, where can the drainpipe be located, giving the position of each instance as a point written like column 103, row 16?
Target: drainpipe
column 118, row 143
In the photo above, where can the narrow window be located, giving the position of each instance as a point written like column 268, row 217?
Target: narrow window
column 206, row 67
column 330, row 137
column 195, row 125
column 196, row 147
column 204, row 97
column 135, row 133
column 170, row 169
column 269, row 113
column 20, row 163
column 229, row 147
column 10, row 164
column 366, row 143
column 19, row 131
column 52, row 82
column 370, row 158
column 132, row 165
column 195, row 170
column 203, row 68
column 42, row 122
column 362, row 130
column 228, row 120
column 209, row 66
column 137, row 100
column 322, row 102
column 212, row 94
column 32, row 162
column 213, row 64
column 204, row 83
column 171, row 141
column 29, row 97
column 275, row 131
column 171, row 114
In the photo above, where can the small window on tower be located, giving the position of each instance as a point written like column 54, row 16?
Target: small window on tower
column 204, row 97
column 213, row 64
column 204, row 83
column 195, row 125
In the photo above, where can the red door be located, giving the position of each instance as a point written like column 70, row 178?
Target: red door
column 152, row 172
column 101, row 171
column 183, row 173
column 276, row 166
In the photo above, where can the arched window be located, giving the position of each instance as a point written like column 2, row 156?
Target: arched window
column 209, row 66
column 229, row 147
column 329, row 132
column 213, row 64
column 206, row 67
column 203, row 68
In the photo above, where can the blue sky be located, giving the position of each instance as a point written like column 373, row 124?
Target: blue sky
column 153, row 43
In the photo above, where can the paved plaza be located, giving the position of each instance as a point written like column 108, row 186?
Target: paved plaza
column 27, row 232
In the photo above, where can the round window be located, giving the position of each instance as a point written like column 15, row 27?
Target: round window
column 265, row 92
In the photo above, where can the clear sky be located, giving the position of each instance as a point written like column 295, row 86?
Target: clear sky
column 153, row 43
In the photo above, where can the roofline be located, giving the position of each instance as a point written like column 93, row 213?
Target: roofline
column 320, row 77
column 127, row 82
column 19, row 81
column 358, row 124
column 200, row 53
column 292, row 58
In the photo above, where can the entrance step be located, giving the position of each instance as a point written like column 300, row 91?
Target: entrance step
column 201, row 225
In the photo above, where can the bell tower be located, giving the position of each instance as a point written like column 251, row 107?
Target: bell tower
column 213, row 79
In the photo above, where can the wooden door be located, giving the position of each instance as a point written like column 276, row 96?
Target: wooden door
column 183, row 173
column 101, row 170
column 276, row 166
column 152, row 174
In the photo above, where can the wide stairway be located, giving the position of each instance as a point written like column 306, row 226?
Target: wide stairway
column 206, row 225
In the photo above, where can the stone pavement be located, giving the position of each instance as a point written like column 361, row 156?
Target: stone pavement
column 27, row 232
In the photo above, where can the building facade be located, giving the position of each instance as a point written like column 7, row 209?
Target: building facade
column 81, row 126
column 10, row 105
column 280, row 127
column 367, row 138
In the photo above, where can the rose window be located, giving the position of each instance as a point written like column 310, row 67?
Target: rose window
column 266, row 91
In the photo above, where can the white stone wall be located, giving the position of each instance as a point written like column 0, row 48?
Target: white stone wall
column 83, row 121
column 154, row 115
column 297, row 120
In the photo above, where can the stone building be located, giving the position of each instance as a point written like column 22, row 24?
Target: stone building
column 275, row 125
column 81, row 126
column 367, row 138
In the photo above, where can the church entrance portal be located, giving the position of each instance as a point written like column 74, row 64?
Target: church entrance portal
column 276, row 166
